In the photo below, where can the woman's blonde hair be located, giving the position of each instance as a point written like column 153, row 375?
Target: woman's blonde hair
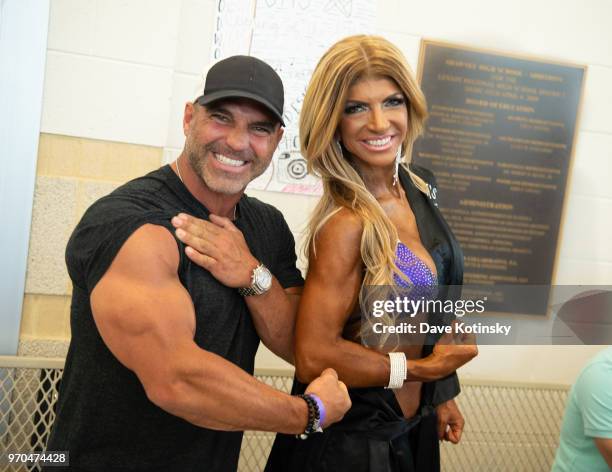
column 345, row 63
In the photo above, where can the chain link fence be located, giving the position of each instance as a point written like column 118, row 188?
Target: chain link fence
column 28, row 393
column 510, row 427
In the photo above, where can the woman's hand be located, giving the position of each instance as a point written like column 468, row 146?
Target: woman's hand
column 450, row 352
column 450, row 422
column 453, row 351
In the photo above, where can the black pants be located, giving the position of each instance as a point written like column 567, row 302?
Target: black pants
column 372, row 437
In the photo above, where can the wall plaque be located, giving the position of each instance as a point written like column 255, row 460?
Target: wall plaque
column 500, row 139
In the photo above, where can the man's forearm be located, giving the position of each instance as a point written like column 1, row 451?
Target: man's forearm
column 274, row 315
column 211, row 392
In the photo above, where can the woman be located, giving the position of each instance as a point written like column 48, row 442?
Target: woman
column 376, row 225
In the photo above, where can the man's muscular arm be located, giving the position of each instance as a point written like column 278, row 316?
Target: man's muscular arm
column 273, row 315
column 219, row 247
column 146, row 318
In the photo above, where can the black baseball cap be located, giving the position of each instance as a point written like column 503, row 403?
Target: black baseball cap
column 245, row 77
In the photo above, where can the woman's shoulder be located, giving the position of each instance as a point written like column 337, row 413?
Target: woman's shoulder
column 343, row 224
column 340, row 236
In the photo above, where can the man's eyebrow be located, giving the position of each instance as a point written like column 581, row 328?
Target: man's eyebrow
column 218, row 109
column 265, row 123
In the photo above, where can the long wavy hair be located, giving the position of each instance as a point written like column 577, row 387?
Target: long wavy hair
column 346, row 62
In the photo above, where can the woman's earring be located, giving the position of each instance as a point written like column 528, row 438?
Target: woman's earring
column 338, row 146
column 398, row 159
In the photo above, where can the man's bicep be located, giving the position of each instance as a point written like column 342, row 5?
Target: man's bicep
column 142, row 311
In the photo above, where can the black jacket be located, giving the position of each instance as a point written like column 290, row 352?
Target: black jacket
column 434, row 230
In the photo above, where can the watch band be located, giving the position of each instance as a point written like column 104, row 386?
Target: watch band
column 247, row 291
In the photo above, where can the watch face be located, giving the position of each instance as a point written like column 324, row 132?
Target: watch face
column 263, row 278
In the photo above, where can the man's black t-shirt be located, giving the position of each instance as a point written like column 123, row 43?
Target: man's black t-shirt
column 104, row 418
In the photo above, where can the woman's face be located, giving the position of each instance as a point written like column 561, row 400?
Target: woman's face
column 374, row 123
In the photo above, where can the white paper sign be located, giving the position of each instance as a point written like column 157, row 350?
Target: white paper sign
column 291, row 36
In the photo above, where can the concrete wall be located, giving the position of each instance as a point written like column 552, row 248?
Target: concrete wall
column 118, row 75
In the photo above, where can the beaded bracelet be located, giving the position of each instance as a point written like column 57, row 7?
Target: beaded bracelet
column 314, row 415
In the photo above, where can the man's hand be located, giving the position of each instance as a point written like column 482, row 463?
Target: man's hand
column 217, row 246
column 450, row 422
column 333, row 394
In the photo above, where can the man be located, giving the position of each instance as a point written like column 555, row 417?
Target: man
column 168, row 310
column 586, row 433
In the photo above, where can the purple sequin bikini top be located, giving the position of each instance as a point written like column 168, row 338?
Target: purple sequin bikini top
column 413, row 267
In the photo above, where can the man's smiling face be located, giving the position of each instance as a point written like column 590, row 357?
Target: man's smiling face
column 230, row 142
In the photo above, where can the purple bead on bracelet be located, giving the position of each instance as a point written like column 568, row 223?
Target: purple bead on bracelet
column 321, row 408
